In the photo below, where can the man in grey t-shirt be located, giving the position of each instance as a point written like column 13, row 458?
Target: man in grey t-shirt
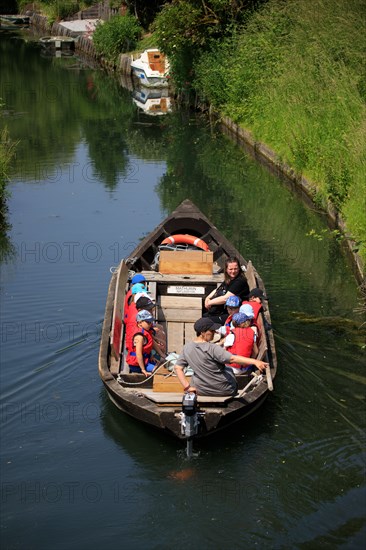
column 207, row 361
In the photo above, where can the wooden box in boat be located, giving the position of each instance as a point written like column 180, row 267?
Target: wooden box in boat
column 196, row 262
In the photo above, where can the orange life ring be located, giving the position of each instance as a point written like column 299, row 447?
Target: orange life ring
column 186, row 239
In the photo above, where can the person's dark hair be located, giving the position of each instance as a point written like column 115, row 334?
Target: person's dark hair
column 231, row 260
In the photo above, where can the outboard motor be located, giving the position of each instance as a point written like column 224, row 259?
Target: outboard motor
column 189, row 419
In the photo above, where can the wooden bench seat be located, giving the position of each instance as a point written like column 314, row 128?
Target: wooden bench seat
column 176, row 398
column 179, row 313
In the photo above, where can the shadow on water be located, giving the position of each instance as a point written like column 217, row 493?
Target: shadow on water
column 130, row 434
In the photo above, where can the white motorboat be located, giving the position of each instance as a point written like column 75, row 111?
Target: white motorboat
column 151, row 68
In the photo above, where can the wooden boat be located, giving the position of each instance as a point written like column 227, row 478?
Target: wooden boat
column 14, row 21
column 151, row 68
column 178, row 280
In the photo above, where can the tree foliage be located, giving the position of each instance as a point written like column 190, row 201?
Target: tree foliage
column 186, row 28
column 116, row 36
column 196, row 22
column 145, row 10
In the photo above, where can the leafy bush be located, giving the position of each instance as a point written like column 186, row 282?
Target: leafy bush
column 118, row 35
column 186, row 28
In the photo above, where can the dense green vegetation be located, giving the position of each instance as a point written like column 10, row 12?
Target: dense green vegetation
column 116, row 36
column 294, row 76
column 56, row 9
column 185, row 29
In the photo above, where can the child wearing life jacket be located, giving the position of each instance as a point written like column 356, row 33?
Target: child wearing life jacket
column 139, row 290
column 248, row 310
column 129, row 298
column 255, row 299
column 241, row 341
column 232, row 305
column 139, row 355
column 130, row 320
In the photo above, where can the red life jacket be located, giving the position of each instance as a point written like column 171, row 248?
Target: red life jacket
column 130, row 330
column 227, row 324
column 146, row 348
column 256, row 308
column 243, row 344
column 130, row 325
column 128, row 302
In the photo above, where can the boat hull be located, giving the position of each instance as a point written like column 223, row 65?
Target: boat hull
column 151, row 69
column 168, row 420
column 149, row 81
column 140, row 397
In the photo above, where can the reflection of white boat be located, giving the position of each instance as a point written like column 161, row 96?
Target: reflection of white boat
column 151, row 68
column 52, row 52
column 58, row 42
column 152, row 101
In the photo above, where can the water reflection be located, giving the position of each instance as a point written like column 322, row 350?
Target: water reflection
column 49, row 52
column 7, row 248
column 152, row 101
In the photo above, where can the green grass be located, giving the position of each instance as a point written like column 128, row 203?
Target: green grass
column 119, row 34
column 295, row 77
column 56, row 10
column 146, row 42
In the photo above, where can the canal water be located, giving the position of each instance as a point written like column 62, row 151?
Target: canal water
column 93, row 174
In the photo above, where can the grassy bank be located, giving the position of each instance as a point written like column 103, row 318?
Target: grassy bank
column 295, row 77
